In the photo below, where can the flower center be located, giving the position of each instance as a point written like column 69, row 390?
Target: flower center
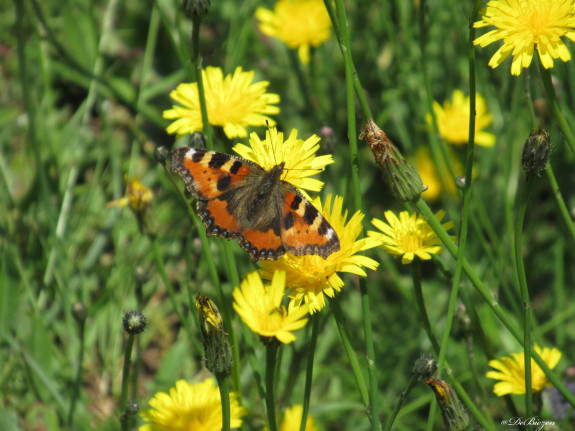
column 411, row 239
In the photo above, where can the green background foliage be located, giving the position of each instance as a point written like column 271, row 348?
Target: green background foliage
column 83, row 87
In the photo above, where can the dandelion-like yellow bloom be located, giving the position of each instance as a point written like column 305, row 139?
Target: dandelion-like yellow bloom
column 525, row 25
column 511, row 371
column 298, row 155
column 409, row 235
column 427, row 170
column 292, row 420
column 233, row 102
column 137, row 196
column 311, row 276
column 190, row 407
column 260, row 307
column 453, row 120
column 299, row 24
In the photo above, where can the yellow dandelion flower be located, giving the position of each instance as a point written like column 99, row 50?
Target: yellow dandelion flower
column 190, row 407
column 233, row 102
column 292, row 420
column 526, row 25
column 137, row 196
column 311, row 277
column 299, row 24
column 260, row 307
column 453, row 120
column 511, row 371
column 427, row 170
column 298, row 155
column 409, row 235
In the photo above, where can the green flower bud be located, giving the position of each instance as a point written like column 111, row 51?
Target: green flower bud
column 536, row 152
column 196, row 8
column 134, row 322
column 403, row 180
column 424, row 367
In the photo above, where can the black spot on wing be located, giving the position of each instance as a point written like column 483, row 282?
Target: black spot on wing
column 236, row 167
column 218, row 160
column 323, row 227
column 310, row 213
column 288, row 221
column 224, row 183
column 295, row 203
column 198, row 155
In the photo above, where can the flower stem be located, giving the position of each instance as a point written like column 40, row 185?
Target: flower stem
column 197, row 63
column 356, row 83
column 520, row 268
column 125, row 419
column 412, row 382
column 224, row 387
column 352, row 136
column 78, row 379
column 271, row 356
column 309, row 370
column 558, row 113
column 423, row 317
column 560, row 201
column 340, row 321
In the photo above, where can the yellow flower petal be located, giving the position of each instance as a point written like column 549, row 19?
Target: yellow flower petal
column 526, row 25
column 511, row 371
column 190, row 406
column 300, row 24
column 233, row 102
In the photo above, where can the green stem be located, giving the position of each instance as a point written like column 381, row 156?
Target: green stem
column 78, row 379
column 197, row 63
column 309, row 370
column 224, row 387
column 558, row 113
column 352, row 136
column 412, row 382
column 464, row 228
column 423, row 317
column 356, row 83
column 126, row 380
column 271, row 356
column 356, row 369
column 520, row 268
column 560, row 201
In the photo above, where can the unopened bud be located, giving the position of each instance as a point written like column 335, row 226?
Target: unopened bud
column 424, row 367
column 217, row 355
column 455, row 417
column 134, row 322
column 196, row 8
column 536, row 152
column 403, row 180
column 161, row 154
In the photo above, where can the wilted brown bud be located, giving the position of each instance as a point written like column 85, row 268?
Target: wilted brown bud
column 217, row 355
column 403, row 180
column 454, row 415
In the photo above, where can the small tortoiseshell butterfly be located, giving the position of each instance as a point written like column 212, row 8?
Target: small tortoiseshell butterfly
column 237, row 198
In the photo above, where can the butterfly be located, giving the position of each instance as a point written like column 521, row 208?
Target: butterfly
column 237, row 198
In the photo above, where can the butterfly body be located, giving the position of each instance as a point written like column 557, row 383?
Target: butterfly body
column 239, row 199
